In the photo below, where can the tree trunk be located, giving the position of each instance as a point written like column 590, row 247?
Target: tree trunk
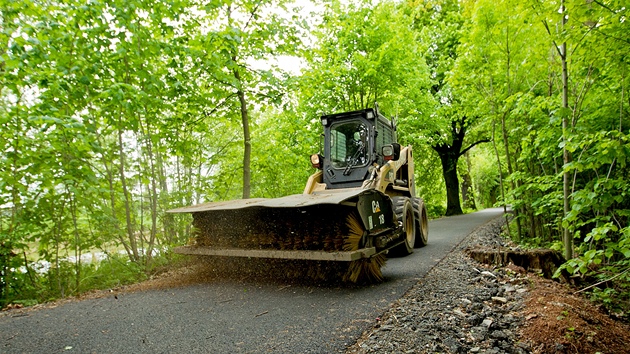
column 153, row 193
column 566, row 234
column 112, row 201
column 123, row 181
column 468, row 197
column 449, row 155
column 247, row 146
column 168, row 220
column 77, row 241
column 501, row 184
column 240, row 92
column 449, row 171
column 508, row 156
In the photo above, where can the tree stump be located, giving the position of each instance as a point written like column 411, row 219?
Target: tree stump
column 545, row 260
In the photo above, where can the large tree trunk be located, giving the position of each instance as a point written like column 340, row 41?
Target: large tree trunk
column 449, row 171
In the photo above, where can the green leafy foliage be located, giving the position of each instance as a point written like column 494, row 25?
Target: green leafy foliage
column 521, row 94
column 113, row 113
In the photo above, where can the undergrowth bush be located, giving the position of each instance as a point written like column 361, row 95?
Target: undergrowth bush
column 27, row 287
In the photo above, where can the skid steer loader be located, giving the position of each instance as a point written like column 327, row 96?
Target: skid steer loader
column 357, row 208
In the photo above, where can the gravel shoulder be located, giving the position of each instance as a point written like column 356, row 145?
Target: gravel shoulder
column 462, row 306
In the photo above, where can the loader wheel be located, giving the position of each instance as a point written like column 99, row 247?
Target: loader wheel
column 422, row 222
column 405, row 213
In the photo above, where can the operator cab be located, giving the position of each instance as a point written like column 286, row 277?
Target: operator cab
column 352, row 144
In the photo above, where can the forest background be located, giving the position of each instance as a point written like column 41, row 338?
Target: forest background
column 113, row 112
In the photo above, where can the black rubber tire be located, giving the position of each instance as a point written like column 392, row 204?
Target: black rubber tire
column 404, row 211
column 422, row 222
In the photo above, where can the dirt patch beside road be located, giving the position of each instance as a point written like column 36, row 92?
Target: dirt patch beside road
column 560, row 321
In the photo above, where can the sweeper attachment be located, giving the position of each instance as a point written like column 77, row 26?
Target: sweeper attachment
column 359, row 207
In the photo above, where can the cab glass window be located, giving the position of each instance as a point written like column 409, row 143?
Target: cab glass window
column 349, row 144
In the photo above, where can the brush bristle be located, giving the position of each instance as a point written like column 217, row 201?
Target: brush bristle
column 355, row 233
column 366, row 270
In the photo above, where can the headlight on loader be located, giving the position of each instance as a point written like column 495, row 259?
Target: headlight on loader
column 317, row 161
column 391, row 151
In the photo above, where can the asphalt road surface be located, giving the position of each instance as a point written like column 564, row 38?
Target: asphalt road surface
column 231, row 316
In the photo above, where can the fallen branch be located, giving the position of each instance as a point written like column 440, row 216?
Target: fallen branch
column 603, row 281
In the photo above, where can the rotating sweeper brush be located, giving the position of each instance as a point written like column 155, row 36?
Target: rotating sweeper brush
column 303, row 229
column 357, row 209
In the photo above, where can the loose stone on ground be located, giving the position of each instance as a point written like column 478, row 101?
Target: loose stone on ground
column 459, row 307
